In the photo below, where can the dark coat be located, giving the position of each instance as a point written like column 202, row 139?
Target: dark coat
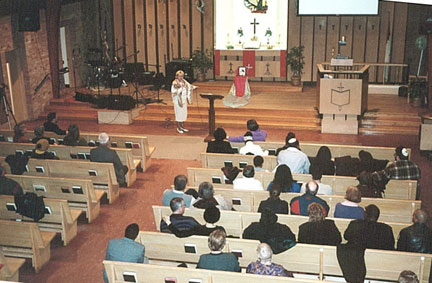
column 370, row 234
column 277, row 206
column 53, row 127
column 219, row 147
column 9, row 187
column 104, row 154
column 319, row 233
column 45, row 155
column 278, row 236
column 416, row 238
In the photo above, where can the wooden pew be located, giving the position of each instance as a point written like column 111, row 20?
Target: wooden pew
column 137, row 143
column 80, row 153
column 395, row 189
column 10, row 267
column 337, row 150
column 122, row 271
column 217, row 160
column 25, row 240
column 317, row 259
column 101, row 175
column 235, row 222
column 59, row 217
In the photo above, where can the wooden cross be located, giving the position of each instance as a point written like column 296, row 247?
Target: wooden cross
column 254, row 24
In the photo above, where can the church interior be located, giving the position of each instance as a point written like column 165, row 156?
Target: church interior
column 351, row 75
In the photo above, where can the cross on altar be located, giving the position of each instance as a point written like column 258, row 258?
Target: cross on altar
column 254, row 24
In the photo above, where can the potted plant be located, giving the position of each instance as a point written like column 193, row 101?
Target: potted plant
column 295, row 59
column 202, row 61
column 417, row 91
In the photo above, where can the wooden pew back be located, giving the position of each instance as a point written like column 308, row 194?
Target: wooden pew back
column 10, row 266
column 217, row 160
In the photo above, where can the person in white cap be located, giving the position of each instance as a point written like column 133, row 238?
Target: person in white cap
column 250, row 148
column 294, row 158
column 104, row 154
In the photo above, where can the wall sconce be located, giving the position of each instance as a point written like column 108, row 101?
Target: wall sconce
column 139, row 26
column 150, row 26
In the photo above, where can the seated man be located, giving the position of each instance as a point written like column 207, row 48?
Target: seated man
column 407, row 276
column 177, row 218
column 104, row 154
column 368, row 233
column 264, row 264
column 125, row 249
column 250, row 148
column 39, row 134
column 258, row 164
column 274, row 203
column 416, row 238
column 323, row 189
column 8, row 186
column 295, row 159
column 253, row 127
column 180, row 182
column 248, row 182
column 299, row 205
column 51, row 124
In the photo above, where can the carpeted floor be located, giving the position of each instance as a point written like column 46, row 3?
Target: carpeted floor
column 180, row 147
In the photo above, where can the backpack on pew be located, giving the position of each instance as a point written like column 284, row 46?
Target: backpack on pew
column 30, row 205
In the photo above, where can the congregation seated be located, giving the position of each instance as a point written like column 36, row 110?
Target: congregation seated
column 8, row 186
column 250, row 148
column 103, row 153
column 177, row 218
column 323, row 161
column 125, row 249
column 219, row 145
column 369, row 233
column 207, row 198
column 299, row 205
column 247, row 182
column 323, row 189
column 264, row 264
column 267, row 230
column 253, row 127
column 51, row 125
column 284, row 179
column 416, row 238
column 180, row 182
column 211, row 216
column 350, row 208
column 41, row 151
column 20, row 130
column 216, row 259
column 318, row 230
column 258, row 162
column 407, row 276
column 294, row 158
column 367, row 187
column 73, row 137
column 39, row 134
column 274, row 203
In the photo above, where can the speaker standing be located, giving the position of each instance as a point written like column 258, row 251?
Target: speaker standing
column 181, row 91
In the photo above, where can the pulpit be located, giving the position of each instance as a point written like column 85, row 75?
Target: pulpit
column 342, row 93
column 212, row 120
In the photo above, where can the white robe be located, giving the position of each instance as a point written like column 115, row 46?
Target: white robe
column 183, row 93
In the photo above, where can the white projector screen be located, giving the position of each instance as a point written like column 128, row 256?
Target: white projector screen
column 337, row 7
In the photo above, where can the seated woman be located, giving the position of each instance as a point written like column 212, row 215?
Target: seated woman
column 284, row 179
column 216, row 259
column 323, row 160
column 207, row 198
column 253, row 127
column 274, row 203
column 350, row 208
column 73, row 137
column 41, row 151
column 219, row 145
column 264, row 265
column 20, row 130
column 367, row 186
column 318, row 231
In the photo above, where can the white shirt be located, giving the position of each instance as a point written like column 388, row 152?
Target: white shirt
column 247, row 184
column 259, row 169
column 252, row 148
column 323, row 189
column 295, row 159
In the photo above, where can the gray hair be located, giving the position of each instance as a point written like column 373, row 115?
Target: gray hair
column 103, row 138
column 264, row 252
column 206, row 190
column 407, row 276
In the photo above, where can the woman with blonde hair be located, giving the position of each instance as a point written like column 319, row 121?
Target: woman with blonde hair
column 181, row 92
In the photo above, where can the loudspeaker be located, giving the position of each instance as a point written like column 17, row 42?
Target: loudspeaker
column 172, row 67
column 28, row 16
column 120, row 102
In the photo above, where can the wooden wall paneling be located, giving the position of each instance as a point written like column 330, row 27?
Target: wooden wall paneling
column 346, row 29
column 332, row 37
column 151, row 34
column 386, row 31
column 118, row 31
column 173, row 29
column 359, row 38
column 139, row 30
column 162, row 34
column 129, row 30
column 307, row 37
column 196, row 28
column 293, row 37
column 371, row 44
column 319, row 44
column 184, row 29
column 208, row 32
column 399, row 35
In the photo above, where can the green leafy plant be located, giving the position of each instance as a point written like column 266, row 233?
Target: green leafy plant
column 202, row 60
column 295, row 59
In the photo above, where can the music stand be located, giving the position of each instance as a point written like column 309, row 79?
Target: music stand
column 212, row 120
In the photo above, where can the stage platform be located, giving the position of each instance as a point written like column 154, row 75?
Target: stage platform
column 273, row 104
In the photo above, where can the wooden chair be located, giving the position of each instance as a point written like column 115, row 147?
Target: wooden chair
column 395, row 189
column 302, row 258
column 25, row 240
column 101, row 175
column 9, row 270
column 59, row 217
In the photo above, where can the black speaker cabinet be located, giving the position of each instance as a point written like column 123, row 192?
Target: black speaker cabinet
column 172, row 67
column 28, row 16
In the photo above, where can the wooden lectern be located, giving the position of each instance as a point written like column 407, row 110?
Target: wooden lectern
column 342, row 93
column 212, row 120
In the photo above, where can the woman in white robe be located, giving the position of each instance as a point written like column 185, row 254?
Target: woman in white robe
column 181, row 92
